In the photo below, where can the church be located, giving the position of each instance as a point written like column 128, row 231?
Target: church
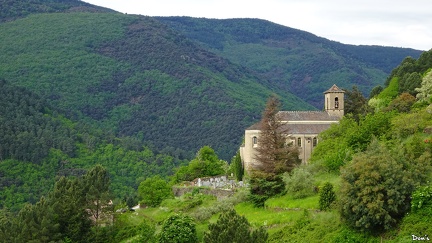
column 303, row 127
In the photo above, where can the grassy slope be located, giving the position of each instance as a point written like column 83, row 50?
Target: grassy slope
column 286, row 219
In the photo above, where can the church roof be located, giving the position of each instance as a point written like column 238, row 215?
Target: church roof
column 334, row 89
column 304, row 122
column 307, row 116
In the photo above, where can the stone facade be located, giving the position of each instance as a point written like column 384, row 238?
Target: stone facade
column 303, row 127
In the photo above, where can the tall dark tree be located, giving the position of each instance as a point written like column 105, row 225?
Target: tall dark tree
column 237, row 166
column 274, row 155
column 96, row 185
column 355, row 103
column 68, row 202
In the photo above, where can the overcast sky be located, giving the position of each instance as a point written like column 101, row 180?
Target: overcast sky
column 398, row 23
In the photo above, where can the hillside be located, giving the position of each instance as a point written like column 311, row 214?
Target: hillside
column 133, row 76
column 12, row 9
column 293, row 60
column 38, row 144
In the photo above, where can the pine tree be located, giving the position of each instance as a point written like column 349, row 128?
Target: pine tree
column 274, row 155
column 96, row 188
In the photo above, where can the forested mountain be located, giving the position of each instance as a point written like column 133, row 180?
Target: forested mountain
column 293, row 60
column 134, row 76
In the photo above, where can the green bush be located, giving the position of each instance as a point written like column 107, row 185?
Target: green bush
column 154, row 190
column 421, row 198
column 264, row 186
column 326, row 196
column 178, row 229
column 300, row 183
column 375, row 190
column 231, row 227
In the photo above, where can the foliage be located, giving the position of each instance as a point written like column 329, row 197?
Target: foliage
column 205, row 212
column 178, row 228
column 425, row 90
column 299, row 183
column 154, row 190
column 390, row 92
column 96, row 183
column 17, row 9
column 333, row 150
column 263, row 186
column 402, row 103
column 421, row 198
column 372, row 125
column 251, row 43
column 375, row 190
column 327, row 196
column 408, row 124
column 231, row 227
column 237, row 167
column 206, row 163
column 274, row 156
column 409, row 83
column 355, row 103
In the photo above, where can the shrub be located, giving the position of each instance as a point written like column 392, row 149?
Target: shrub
column 300, row 183
column 326, row 196
column 178, row 228
column 231, row 227
column 421, row 198
column 264, row 186
column 375, row 190
column 153, row 190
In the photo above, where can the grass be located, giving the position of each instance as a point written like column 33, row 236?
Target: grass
column 288, row 203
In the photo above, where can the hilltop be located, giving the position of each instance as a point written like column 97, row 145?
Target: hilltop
column 293, row 60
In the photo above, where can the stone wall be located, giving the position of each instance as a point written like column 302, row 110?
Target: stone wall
column 218, row 186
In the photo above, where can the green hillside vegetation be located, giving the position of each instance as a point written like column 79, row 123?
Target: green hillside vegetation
column 38, row 145
column 133, row 76
column 293, row 60
column 12, row 9
column 379, row 168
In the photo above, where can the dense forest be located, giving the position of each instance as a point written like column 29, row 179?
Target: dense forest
column 38, row 144
column 293, row 60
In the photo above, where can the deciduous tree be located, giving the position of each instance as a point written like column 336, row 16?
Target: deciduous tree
column 154, row 190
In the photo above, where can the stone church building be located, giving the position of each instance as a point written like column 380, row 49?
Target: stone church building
column 303, row 127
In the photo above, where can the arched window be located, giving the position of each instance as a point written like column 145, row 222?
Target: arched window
column 299, row 142
column 336, row 103
column 314, row 141
column 254, row 141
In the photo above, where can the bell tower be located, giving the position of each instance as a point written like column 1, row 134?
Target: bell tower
column 334, row 101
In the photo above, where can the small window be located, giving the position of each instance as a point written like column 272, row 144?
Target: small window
column 336, row 103
column 299, row 142
column 254, row 141
column 314, row 141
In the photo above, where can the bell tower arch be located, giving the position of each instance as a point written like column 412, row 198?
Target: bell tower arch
column 334, row 101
